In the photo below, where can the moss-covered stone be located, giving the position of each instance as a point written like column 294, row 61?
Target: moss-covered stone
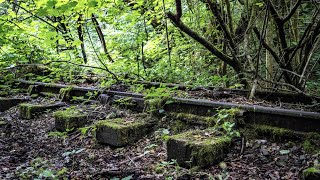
column 28, row 111
column 69, row 119
column 275, row 133
column 311, row 142
column 120, row 132
column 198, row 148
column 64, row 93
column 312, row 173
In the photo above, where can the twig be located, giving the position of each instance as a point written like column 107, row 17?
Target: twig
column 82, row 65
column 105, row 66
column 116, row 172
column 132, row 159
column 243, row 145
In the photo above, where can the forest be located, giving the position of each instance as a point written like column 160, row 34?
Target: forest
column 160, row 89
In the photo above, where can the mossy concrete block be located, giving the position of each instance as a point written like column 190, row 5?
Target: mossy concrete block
column 312, row 173
column 275, row 133
column 197, row 148
column 28, row 111
column 119, row 132
column 69, row 119
column 7, row 103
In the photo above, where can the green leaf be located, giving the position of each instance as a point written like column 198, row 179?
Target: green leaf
column 47, row 173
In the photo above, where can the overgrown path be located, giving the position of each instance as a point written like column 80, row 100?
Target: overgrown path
column 134, row 145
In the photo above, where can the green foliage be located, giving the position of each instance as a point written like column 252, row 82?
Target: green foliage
column 226, row 120
column 124, row 101
column 58, row 134
column 135, row 34
column 156, row 98
column 41, row 169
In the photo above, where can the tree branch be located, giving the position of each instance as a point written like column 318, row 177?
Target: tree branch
column 279, row 22
column 80, row 35
column 178, row 10
column 293, row 10
column 265, row 45
column 215, row 11
column 101, row 37
column 234, row 64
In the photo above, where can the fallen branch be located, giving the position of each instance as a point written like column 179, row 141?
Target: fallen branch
column 116, row 172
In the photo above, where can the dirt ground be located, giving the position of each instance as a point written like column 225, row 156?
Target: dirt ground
column 33, row 149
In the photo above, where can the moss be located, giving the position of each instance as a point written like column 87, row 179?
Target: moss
column 64, row 93
column 120, row 132
column 5, row 87
column 211, row 149
column 48, row 94
column 31, row 89
column 178, row 126
column 206, row 146
column 26, row 110
column 4, row 93
column 311, row 142
column 155, row 103
column 69, row 119
column 191, row 118
column 310, row 172
column 275, row 133
column 34, row 96
column 117, row 123
column 68, row 113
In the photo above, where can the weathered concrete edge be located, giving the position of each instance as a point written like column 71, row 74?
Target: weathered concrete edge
column 197, row 102
column 10, row 102
column 251, row 108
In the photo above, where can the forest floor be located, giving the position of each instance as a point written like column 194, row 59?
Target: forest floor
column 34, row 149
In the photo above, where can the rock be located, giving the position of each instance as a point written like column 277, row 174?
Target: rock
column 302, row 157
column 284, row 157
column 28, row 111
column 264, row 151
column 312, row 173
column 281, row 163
column 119, row 132
column 7, row 103
column 69, row 119
column 262, row 141
column 192, row 148
column 284, row 152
